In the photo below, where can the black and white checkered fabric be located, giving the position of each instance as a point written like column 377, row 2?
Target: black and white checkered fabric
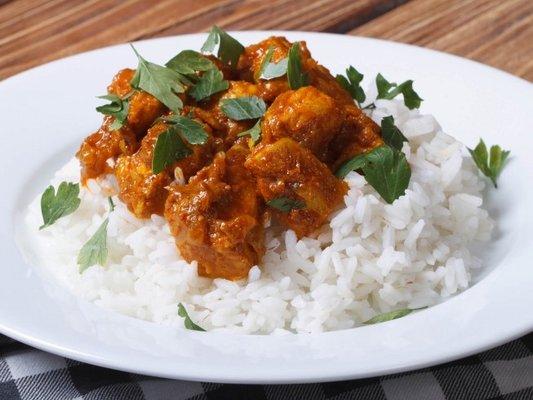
column 502, row 373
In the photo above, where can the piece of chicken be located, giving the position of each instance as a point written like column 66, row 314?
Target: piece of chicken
column 217, row 217
column 286, row 170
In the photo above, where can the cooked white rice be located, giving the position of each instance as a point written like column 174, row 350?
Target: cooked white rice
column 371, row 258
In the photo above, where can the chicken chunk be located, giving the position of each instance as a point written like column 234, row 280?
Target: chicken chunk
column 306, row 115
column 145, row 192
column 285, row 169
column 217, row 217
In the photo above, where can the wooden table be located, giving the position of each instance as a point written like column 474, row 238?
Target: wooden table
column 495, row 32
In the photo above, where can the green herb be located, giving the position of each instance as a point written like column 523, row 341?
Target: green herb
column 391, row 134
column 389, row 316
column 240, row 108
column 56, row 205
column 94, row 251
column 161, row 82
column 111, row 204
column 191, row 130
column 295, row 75
column 182, row 312
column 118, row 108
column 270, row 70
column 351, row 165
column 212, row 81
column 352, row 84
column 229, row 49
column 188, row 62
column 385, row 169
column 286, row 204
column 254, row 132
column 389, row 90
column 169, row 148
column 491, row 166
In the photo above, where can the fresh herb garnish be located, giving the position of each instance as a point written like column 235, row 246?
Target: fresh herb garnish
column 118, row 108
column 188, row 62
column 254, row 132
column 211, row 82
column 296, row 77
column 111, row 204
column 285, row 204
column 490, row 165
column 56, row 205
column 94, row 251
column 389, row 316
column 270, row 70
column 191, row 130
column 385, row 169
column 389, row 90
column 187, row 321
column 391, row 134
column 352, row 83
column 229, row 49
column 169, row 148
column 240, row 108
column 161, row 82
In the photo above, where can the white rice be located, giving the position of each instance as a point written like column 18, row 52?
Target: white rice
column 371, row 258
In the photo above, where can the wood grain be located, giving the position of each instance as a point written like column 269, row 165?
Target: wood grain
column 494, row 32
column 499, row 33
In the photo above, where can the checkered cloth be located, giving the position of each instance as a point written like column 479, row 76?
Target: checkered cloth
column 502, row 373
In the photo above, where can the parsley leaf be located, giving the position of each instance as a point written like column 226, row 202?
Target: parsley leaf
column 161, row 82
column 389, row 316
column 285, row 204
column 490, row 166
column 169, row 147
column 295, row 75
column 352, row 84
column 118, row 108
column 254, row 132
column 389, row 90
column 182, row 312
column 229, row 49
column 111, row 204
column 191, row 130
column 56, row 205
column 391, row 134
column 94, row 251
column 211, row 82
column 351, row 165
column 188, row 62
column 270, row 70
column 239, row 108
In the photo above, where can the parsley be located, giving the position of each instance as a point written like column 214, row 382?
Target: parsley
column 389, row 90
column 240, row 108
column 270, row 70
column 188, row 62
column 295, row 75
column 111, row 204
column 389, row 316
column 286, row 204
column 490, row 165
column 211, row 82
column 182, row 312
column 386, row 170
column 94, row 251
column 161, row 82
column 352, row 84
column 169, row 147
column 229, row 49
column 254, row 132
column 391, row 134
column 56, row 205
column 191, row 130
column 118, row 108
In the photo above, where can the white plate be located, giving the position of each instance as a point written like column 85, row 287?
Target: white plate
column 47, row 111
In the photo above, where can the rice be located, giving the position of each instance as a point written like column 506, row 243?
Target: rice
column 370, row 258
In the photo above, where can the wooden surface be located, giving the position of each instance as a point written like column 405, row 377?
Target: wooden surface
column 495, row 32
